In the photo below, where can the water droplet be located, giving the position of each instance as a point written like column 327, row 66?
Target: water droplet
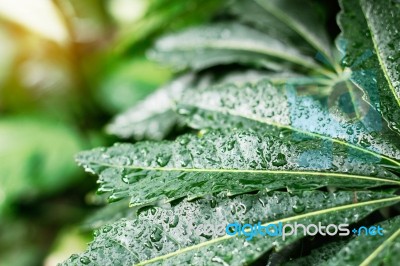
column 213, row 203
column 163, row 159
column 174, row 222
column 73, row 257
column 230, row 145
column 350, row 131
column 84, row 260
column 184, row 140
column 124, row 160
column 365, row 142
column 280, row 160
column 107, row 228
column 299, row 207
column 156, row 235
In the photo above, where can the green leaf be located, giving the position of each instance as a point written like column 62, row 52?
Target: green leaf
column 33, row 159
column 306, row 149
column 153, row 118
column 291, row 110
column 319, row 255
column 126, row 83
column 108, row 214
column 370, row 32
column 161, row 16
column 372, row 250
column 193, row 233
column 301, row 16
column 223, row 43
column 232, row 163
column 251, row 13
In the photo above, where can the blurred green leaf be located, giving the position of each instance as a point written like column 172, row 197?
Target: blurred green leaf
column 18, row 243
column 36, row 157
column 128, row 82
column 165, row 15
column 224, row 43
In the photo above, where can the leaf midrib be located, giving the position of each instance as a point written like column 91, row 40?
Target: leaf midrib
column 282, row 172
column 378, row 54
column 373, row 255
column 254, row 47
column 226, row 237
column 265, row 121
column 299, row 29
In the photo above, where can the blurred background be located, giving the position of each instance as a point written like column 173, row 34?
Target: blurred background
column 66, row 68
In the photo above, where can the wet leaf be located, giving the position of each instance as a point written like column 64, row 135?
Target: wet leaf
column 301, row 17
column 270, row 142
column 233, row 163
column 319, row 255
column 224, row 43
column 263, row 107
column 372, row 249
column 370, row 43
column 153, row 118
column 193, row 233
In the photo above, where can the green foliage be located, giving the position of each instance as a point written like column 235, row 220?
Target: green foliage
column 128, row 82
column 149, row 120
column 205, row 46
column 165, row 236
column 370, row 31
column 233, row 163
column 35, row 143
column 366, row 251
column 302, row 138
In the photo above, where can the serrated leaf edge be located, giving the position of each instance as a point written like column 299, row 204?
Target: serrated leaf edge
column 216, row 240
column 264, row 121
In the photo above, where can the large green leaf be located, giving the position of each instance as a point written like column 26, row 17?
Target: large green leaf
column 161, row 16
column 153, row 118
column 108, row 214
column 372, row 249
column 319, row 255
column 264, row 107
column 251, row 13
column 233, row 163
column 301, row 17
column 221, row 43
column 126, row 83
column 370, row 30
column 193, row 233
column 268, row 150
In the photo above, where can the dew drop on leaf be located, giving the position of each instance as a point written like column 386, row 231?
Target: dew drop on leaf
column 84, row 260
column 163, row 159
column 280, row 160
column 107, row 228
column 156, row 235
column 299, row 207
column 174, row 222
